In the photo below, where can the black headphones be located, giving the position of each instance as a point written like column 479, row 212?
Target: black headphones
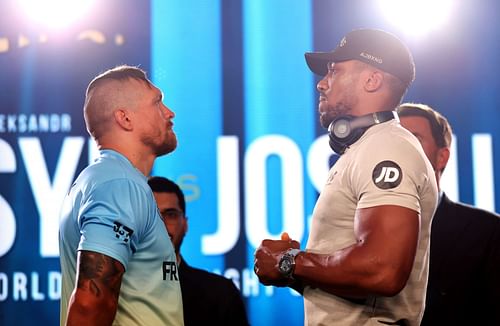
column 346, row 130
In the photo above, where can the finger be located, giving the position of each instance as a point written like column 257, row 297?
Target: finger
column 285, row 236
column 295, row 244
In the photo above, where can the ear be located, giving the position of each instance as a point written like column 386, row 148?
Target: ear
column 374, row 80
column 443, row 155
column 123, row 119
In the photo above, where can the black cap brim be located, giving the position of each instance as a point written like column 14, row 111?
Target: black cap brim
column 318, row 62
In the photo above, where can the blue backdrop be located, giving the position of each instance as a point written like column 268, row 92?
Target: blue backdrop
column 251, row 155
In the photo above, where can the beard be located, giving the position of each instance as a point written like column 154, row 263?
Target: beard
column 159, row 148
column 333, row 112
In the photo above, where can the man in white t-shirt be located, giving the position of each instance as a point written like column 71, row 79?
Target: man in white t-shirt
column 366, row 260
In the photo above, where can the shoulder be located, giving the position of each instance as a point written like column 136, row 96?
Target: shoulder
column 112, row 165
column 112, row 175
column 101, row 195
column 116, row 189
column 479, row 215
column 389, row 144
column 389, row 140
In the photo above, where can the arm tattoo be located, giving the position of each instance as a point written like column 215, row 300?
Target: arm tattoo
column 99, row 273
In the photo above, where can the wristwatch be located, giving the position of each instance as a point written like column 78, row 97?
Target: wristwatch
column 286, row 265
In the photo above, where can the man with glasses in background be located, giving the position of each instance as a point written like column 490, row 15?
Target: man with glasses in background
column 207, row 298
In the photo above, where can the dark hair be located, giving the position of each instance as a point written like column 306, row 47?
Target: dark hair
column 397, row 87
column 440, row 128
column 161, row 184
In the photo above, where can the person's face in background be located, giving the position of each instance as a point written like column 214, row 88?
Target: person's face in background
column 173, row 217
column 421, row 128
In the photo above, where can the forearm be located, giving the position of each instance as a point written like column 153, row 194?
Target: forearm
column 353, row 272
column 86, row 310
column 95, row 298
column 377, row 263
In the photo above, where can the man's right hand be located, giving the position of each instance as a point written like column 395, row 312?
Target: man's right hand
column 267, row 258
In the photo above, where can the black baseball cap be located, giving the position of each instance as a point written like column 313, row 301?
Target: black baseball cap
column 372, row 46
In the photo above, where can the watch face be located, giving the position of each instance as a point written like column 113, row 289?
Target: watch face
column 285, row 265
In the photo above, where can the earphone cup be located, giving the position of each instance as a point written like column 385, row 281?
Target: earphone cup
column 339, row 145
column 342, row 135
column 346, row 130
column 340, row 128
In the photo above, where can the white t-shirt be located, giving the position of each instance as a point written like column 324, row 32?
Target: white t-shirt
column 386, row 166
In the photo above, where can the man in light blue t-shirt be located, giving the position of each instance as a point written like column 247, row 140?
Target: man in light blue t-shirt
column 115, row 269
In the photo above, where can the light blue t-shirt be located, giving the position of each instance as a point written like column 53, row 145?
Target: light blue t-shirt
column 110, row 209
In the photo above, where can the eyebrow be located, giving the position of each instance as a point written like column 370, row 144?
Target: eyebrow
column 158, row 98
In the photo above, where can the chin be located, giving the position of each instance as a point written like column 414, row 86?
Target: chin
column 169, row 146
column 325, row 121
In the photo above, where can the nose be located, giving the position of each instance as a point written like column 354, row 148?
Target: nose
column 169, row 114
column 322, row 84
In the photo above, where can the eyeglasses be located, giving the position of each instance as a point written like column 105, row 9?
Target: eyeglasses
column 172, row 214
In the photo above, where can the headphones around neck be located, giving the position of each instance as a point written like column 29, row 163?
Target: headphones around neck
column 346, row 130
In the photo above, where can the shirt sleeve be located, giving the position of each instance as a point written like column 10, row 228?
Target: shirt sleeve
column 110, row 219
column 393, row 174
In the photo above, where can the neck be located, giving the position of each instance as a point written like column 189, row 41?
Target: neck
column 438, row 178
column 142, row 163
column 374, row 102
column 141, row 160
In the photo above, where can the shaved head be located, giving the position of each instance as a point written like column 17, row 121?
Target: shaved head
column 111, row 90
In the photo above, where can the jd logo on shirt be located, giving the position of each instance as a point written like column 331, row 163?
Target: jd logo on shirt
column 387, row 175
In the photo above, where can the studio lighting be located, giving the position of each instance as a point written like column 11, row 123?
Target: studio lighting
column 416, row 17
column 55, row 13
